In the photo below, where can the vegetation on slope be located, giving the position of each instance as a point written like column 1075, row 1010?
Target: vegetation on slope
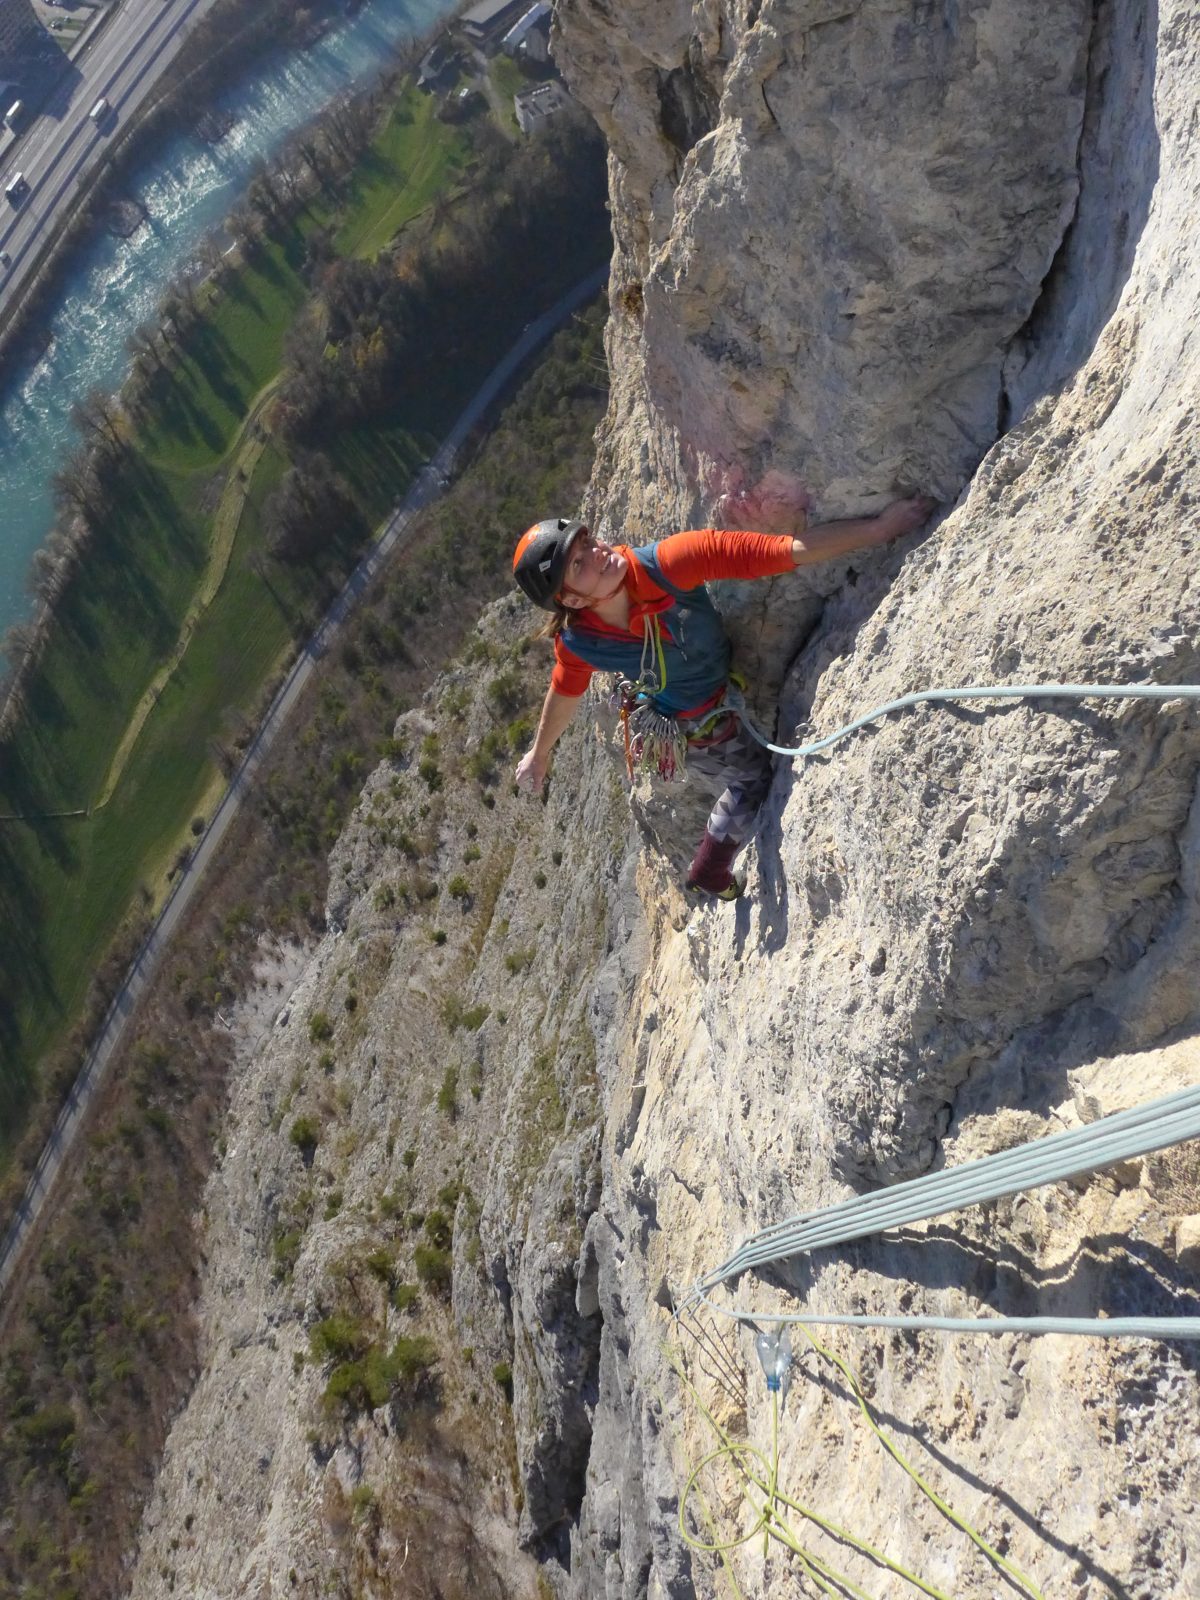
column 98, row 1345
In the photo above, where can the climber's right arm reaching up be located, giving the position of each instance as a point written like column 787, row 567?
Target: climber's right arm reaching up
column 558, row 710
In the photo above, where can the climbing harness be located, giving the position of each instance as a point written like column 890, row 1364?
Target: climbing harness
column 1120, row 1137
column 657, row 741
column 1006, row 691
column 654, row 741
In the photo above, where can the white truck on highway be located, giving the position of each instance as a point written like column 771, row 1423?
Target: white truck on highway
column 16, row 188
column 99, row 111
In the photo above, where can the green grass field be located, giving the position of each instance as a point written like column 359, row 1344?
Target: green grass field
column 415, row 159
column 68, row 883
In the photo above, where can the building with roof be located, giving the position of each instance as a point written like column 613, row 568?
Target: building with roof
column 536, row 107
column 438, row 67
column 486, row 23
column 529, row 37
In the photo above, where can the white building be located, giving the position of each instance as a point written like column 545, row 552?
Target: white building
column 535, row 107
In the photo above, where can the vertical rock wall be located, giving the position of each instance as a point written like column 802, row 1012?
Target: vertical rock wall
column 943, row 246
column 831, row 220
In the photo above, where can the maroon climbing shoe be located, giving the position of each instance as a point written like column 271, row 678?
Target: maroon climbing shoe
column 710, row 872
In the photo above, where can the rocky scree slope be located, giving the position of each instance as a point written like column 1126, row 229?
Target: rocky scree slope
column 411, row 1153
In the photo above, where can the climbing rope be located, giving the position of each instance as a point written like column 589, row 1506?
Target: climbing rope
column 1120, row 1137
column 759, row 1477
column 1014, row 691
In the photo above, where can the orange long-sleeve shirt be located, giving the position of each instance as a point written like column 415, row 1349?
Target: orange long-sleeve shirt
column 686, row 560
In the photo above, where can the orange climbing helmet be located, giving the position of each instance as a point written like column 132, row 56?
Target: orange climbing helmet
column 541, row 556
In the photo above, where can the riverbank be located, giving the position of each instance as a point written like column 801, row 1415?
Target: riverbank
column 229, row 43
column 109, row 288
column 145, row 683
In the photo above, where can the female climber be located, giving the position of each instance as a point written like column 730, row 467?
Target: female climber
column 645, row 614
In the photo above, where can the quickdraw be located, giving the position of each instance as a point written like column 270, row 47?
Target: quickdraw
column 655, row 741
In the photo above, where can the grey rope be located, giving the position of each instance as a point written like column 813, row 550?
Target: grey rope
column 1008, row 691
column 1119, row 1137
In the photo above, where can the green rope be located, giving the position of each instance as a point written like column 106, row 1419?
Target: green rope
column 771, row 1522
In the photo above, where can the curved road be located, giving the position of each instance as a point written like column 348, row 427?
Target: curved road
column 427, row 487
column 62, row 146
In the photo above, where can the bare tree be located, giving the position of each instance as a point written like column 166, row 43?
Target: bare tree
column 77, row 486
column 212, row 257
column 172, row 315
column 144, row 347
column 19, row 645
column 98, row 417
column 244, row 226
column 348, row 122
column 48, row 574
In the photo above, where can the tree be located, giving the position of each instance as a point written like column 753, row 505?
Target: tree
column 78, row 488
column 264, row 196
column 172, row 315
column 98, row 417
column 311, row 503
column 211, row 256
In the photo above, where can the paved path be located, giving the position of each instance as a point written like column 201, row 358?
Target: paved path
column 429, row 484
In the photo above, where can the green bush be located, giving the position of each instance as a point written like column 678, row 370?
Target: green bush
column 459, row 888
column 519, row 733
column 518, row 960
column 286, row 1251
column 381, row 1264
column 504, row 692
column 369, row 1380
column 319, row 1027
column 438, row 1229
column 503, row 1374
column 434, row 1268
column 306, row 1136
column 405, row 1296
column 455, row 1015
column 338, row 1338
column 447, row 1100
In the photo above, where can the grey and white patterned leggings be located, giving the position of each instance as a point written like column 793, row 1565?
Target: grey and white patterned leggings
column 737, row 770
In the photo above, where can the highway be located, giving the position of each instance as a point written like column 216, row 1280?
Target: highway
column 121, row 62
column 429, row 484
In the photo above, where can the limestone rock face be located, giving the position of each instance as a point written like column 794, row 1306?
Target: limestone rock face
column 830, row 221
column 945, row 247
